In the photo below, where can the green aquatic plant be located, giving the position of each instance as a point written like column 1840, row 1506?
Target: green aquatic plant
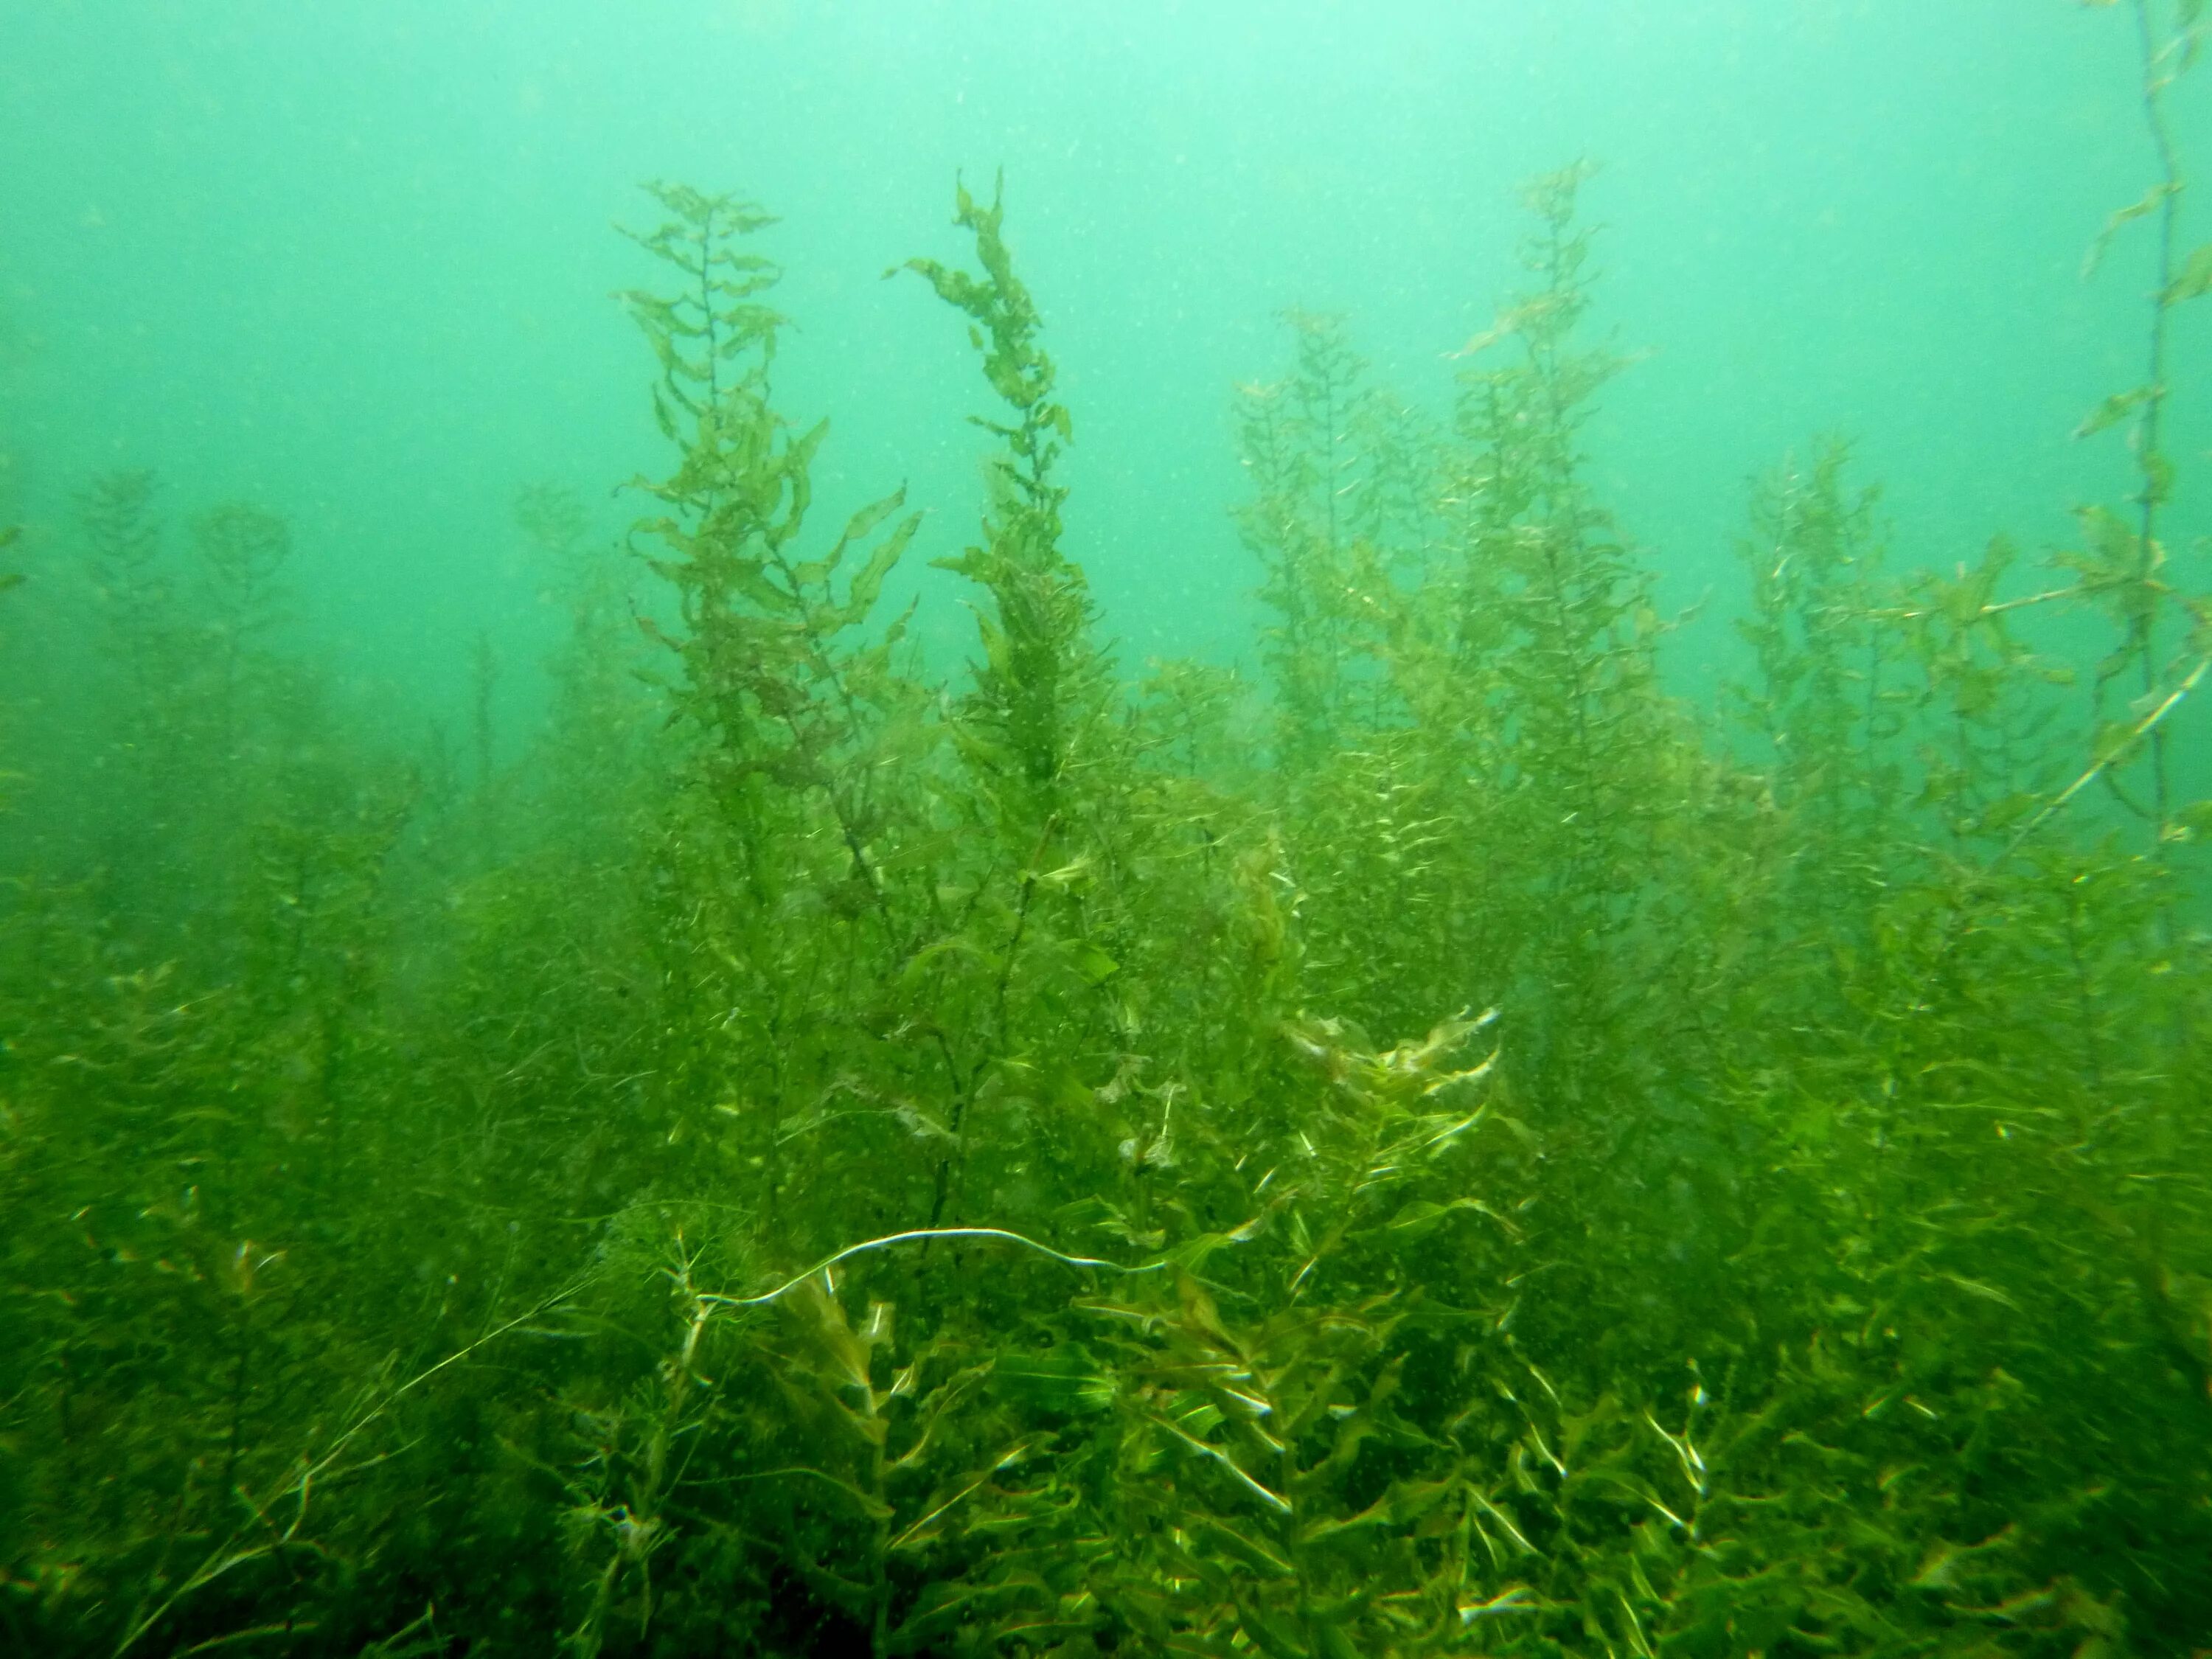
column 1537, row 559
column 1298, row 440
column 1975, row 1087
column 1820, row 703
column 1278, row 1480
column 594, row 764
column 794, row 717
column 1035, row 709
column 2122, row 560
column 9, row 535
column 764, row 671
column 1031, row 1001
column 800, row 1152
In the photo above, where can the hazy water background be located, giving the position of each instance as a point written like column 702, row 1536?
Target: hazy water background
column 352, row 259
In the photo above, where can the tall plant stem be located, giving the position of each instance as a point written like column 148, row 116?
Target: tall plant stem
column 2143, row 627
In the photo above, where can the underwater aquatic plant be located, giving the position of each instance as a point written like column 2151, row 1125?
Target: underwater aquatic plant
column 805, row 1153
column 1039, row 684
column 2122, row 555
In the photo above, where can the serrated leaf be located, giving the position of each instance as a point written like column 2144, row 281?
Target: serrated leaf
column 2120, row 218
column 1227, row 1540
column 862, row 524
column 1379, row 1513
column 860, row 598
column 750, row 578
column 1418, row 1220
column 1275, row 1639
column 1066, row 1379
column 1194, row 1413
column 2195, row 278
column 1092, row 965
column 1985, row 1291
column 2114, row 409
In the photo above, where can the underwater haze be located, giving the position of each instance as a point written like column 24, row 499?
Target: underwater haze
column 1245, row 830
column 353, row 258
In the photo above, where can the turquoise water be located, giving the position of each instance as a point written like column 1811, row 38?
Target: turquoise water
column 354, row 259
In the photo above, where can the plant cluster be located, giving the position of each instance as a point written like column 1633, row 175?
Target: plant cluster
column 1445, row 1151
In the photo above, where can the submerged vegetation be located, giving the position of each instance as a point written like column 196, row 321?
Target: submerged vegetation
column 1445, row 1151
